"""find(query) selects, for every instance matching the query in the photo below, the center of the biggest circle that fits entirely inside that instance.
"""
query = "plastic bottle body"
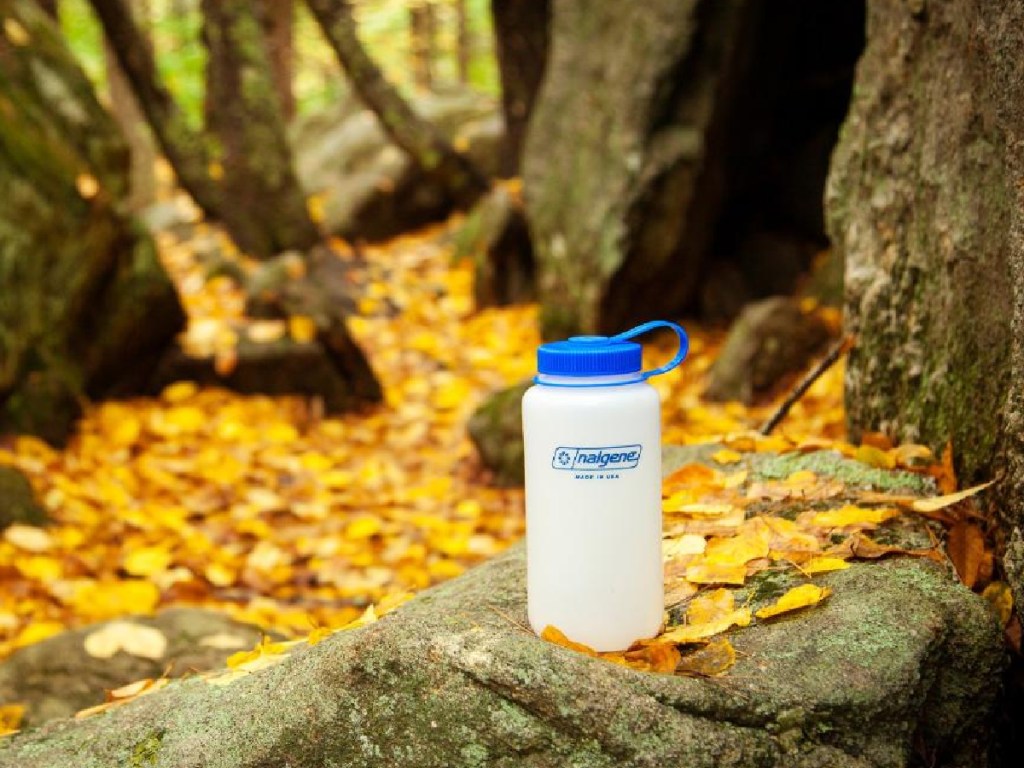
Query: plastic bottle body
(593, 511)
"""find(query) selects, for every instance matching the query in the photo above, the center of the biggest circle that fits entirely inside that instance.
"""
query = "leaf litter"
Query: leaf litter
(264, 509)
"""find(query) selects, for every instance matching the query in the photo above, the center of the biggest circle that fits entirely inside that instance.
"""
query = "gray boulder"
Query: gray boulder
(57, 677)
(900, 666)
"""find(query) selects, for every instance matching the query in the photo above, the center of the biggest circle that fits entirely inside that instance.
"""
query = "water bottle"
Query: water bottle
(592, 434)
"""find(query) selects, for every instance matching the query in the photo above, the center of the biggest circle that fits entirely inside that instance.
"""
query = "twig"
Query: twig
(812, 376)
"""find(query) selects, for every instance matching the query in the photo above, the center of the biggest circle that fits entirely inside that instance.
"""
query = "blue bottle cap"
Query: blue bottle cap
(582, 356)
(589, 356)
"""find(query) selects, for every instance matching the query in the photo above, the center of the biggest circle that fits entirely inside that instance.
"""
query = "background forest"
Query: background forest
(272, 278)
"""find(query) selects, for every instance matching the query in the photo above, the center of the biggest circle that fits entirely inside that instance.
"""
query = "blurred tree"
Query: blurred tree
(422, 42)
(86, 306)
(50, 6)
(277, 17)
(133, 124)
(416, 136)
(263, 206)
(463, 41)
(521, 32)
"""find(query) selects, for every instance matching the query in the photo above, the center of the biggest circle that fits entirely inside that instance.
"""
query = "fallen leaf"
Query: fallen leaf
(695, 633)
(134, 639)
(1000, 597)
(966, 546)
(28, 538)
(936, 503)
(713, 659)
(875, 457)
(726, 456)
(850, 516)
(803, 596)
(824, 565)
(706, 573)
(554, 635)
(11, 716)
(224, 641)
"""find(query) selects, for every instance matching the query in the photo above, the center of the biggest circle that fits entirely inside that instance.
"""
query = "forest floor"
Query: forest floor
(260, 507)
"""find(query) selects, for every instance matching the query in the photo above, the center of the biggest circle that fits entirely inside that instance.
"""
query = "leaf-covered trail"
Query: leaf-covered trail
(261, 507)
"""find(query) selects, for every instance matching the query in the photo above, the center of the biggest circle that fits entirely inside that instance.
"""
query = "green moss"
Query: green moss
(833, 464)
(146, 752)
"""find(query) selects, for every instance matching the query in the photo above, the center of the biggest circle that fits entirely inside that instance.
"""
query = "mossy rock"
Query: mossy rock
(496, 428)
(900, 662)
(18, 501)
(56, 677)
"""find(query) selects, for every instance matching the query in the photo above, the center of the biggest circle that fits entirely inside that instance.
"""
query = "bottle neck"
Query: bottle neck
(617, 380)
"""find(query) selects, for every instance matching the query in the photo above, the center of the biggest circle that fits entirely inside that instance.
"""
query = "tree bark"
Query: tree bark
(463, 42)
(86, 305)
(134, 127)
(522, 30)
(424, 144)
(264, 208)
(50, 7)
(184, 147)
(926, 204)
(422, 43)
(624, 168)
(277, 17)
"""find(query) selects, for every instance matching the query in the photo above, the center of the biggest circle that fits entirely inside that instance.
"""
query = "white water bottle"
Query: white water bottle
(592, 432)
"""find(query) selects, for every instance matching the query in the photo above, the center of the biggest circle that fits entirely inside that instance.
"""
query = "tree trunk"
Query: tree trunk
(50, 7)
(463, 42)
(424, 144)
(422, 39)
(522, 31)
(926, 204)
(133, 125)
(264, 208)
(623, 168)
(184, 147)
(277, 17)
(86, 305)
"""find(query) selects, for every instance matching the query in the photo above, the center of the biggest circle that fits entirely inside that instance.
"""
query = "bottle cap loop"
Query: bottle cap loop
(590, 356)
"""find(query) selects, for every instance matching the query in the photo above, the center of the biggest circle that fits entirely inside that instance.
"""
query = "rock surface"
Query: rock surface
(496, 428)
(57, 677)
(17, 500)
(370, 189)
(771, 338)
(900, 666)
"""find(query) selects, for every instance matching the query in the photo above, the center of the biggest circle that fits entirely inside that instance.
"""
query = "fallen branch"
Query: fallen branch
(805, 383)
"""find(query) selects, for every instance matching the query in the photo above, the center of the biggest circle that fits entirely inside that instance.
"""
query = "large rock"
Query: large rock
(496, 429)
(17, 500)
(770, 339)
(900, 662)
(370, 189)
(57, 677)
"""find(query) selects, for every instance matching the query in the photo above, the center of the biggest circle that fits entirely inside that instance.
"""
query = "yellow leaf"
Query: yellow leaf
(875, 457)
(134, 639)
(850, 515)
(749, 544)
(1000, 597)
(315, 208)
(936, 503)
(302, 328)
(179, 392)
(363, 527)
(555, 635)
(694, 633)
(824, 565)
(726, 456)
(87, 185)
(710, 606)
(37, 631)
(16, 33)
(713, 659)
(220, 575)
(798, 597)
(266, 331)
(224, 641)
(706, 573)
(147, 561)
(28, 538)
(451, 394)
(40, 568)
(687, 544)
(701, 510)
(108, 599)
(800, 478)
(10, 718)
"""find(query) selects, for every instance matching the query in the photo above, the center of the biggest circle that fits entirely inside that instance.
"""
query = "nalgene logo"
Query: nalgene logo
(612, 457)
